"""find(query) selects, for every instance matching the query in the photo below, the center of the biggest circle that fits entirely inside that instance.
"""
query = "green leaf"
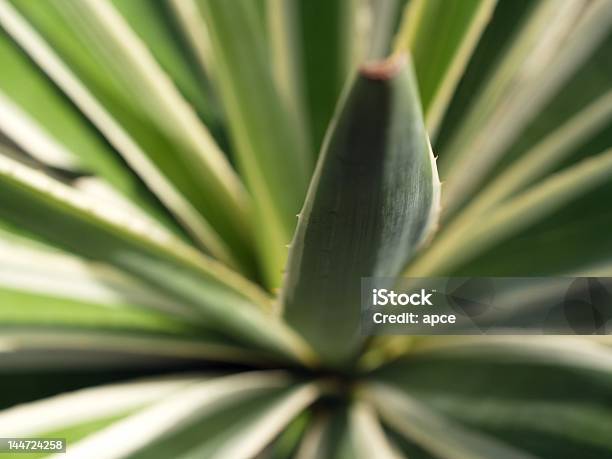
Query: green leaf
(255, 435)
(48, 348)
(407, 447)
(328, 30)
(441, 36)
(384, 16)
(311, 444)
(368, 435)
(549, 395)
(54, 132)
(222, 296)
(542, 158)
(242, 321)
(194, 31)
(575, 353)
(320, 35)
(64, 299)
(254, 404)
(155, 25)
(130, 99)
(89, 405)
(581, 228)
(587, 89)
(286, 57)
(525, 80)
(72, 211)
(19, 308)
(577, 423)
(372, 202)
(432, 431)
(40, 270)
(269, 142)
(567, 144)
(72, 434)
(287, 442)
(503, 29)
(25, 136)
(328, 437)
(528, 208)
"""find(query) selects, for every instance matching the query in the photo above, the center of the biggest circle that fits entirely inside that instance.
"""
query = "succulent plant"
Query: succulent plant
(160, 299)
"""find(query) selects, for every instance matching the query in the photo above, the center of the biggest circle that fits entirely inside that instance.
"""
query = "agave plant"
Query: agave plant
(158, 295)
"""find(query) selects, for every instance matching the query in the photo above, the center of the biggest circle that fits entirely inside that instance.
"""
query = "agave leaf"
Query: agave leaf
(122, 240)
(64, 294)
(73, 211)
(90, 404)
(328, 437)
(75, 433)
(590, 84)
(27, 136)
(501, 32)
(414, 420)
(140, 111)
(286, 57)
(200, 149)
(41, 270)
(23, 386)
(217, 425)
(528, 208)
(47, 348)
(198, 406)
(528, 77)
(18, 307)
(527, 30)
(543, 157)
(268, 139)
(368, 435)
(57, 135)
(257, 433)
(154, 23)
(382, 26)
(441, 36)
(328, 29)
(311, 444)
(115, 131)
(581, 228)
(602, 269)
(577, 230)
(580, 425)
(567, 143)
(524, 403)
(286, 443)
(372, 202)
(408, 448)
(194, 30)
(318, 35)
(576, 353)
(243, 321)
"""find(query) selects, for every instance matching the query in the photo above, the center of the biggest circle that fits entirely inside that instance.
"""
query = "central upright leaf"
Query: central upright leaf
(371, 203)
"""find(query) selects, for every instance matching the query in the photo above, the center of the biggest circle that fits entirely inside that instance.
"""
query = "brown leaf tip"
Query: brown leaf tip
(384, 69)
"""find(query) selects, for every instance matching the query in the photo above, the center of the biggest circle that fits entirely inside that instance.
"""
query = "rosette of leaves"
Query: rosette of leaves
(158, 295)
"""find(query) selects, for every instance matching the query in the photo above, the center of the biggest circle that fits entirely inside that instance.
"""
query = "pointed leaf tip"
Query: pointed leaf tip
(385, 69)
